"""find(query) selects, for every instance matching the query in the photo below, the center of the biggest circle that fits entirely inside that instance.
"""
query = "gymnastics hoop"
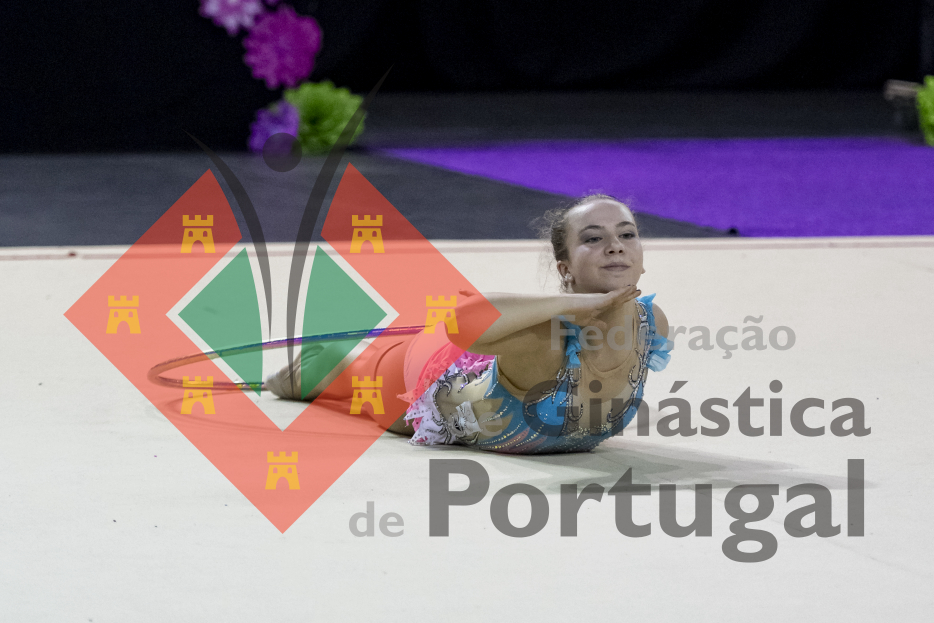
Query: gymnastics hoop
(154, 374)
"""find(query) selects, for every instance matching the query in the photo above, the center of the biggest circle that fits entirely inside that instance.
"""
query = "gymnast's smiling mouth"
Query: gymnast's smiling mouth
(616, 266)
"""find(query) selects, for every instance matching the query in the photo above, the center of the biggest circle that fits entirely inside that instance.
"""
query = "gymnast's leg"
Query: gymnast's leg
(384, 358)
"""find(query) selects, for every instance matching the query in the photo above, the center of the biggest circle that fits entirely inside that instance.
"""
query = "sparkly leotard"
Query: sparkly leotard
(474, 404)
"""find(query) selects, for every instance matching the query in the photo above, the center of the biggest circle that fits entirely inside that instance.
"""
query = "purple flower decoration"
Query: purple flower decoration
(280, 117)
(232, 14)
(281, 48)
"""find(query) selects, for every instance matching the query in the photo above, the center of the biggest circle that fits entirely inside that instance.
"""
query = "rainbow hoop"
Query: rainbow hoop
(154, 374)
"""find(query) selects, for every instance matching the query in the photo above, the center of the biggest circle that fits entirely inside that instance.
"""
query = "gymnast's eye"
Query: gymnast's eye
(592, 239)
(629, 235)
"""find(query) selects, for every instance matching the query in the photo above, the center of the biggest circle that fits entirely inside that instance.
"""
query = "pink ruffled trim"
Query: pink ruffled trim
(470, 363)
(434, 369)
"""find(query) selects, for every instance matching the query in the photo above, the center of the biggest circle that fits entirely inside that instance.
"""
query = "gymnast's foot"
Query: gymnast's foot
(287, 382)
(318, 361)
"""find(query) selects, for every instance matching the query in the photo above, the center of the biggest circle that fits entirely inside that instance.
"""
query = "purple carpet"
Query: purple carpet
(762, 187)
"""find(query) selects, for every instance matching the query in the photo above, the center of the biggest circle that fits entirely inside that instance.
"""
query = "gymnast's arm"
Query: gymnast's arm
(525, 320)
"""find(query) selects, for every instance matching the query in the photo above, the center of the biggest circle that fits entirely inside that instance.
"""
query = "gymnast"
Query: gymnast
(554, 373)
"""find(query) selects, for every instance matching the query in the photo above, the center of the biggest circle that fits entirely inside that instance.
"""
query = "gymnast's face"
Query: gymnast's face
(604, 248)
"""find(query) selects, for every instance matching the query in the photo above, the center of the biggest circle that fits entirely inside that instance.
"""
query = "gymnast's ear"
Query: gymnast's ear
(563, 269)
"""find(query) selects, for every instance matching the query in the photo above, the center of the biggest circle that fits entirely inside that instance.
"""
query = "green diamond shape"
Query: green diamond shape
(226, 313)
(334, 304)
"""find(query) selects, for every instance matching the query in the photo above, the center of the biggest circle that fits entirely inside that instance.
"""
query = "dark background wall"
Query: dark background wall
(98, 75)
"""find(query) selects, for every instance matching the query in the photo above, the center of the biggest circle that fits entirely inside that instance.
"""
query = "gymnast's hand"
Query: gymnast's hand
(589, 310)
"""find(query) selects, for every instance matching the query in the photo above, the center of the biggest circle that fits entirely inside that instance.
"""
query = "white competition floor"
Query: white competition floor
(108, 513)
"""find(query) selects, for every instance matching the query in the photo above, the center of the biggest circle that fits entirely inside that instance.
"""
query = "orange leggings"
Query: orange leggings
(388, 362)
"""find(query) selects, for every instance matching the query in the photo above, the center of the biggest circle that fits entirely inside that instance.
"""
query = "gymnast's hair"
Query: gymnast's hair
(553, 225)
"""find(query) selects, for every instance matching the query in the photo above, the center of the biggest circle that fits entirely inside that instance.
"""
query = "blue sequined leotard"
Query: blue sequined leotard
(458, 409)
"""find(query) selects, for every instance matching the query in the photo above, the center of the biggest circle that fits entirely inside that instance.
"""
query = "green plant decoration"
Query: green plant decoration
(323, 111)
(926, 109)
